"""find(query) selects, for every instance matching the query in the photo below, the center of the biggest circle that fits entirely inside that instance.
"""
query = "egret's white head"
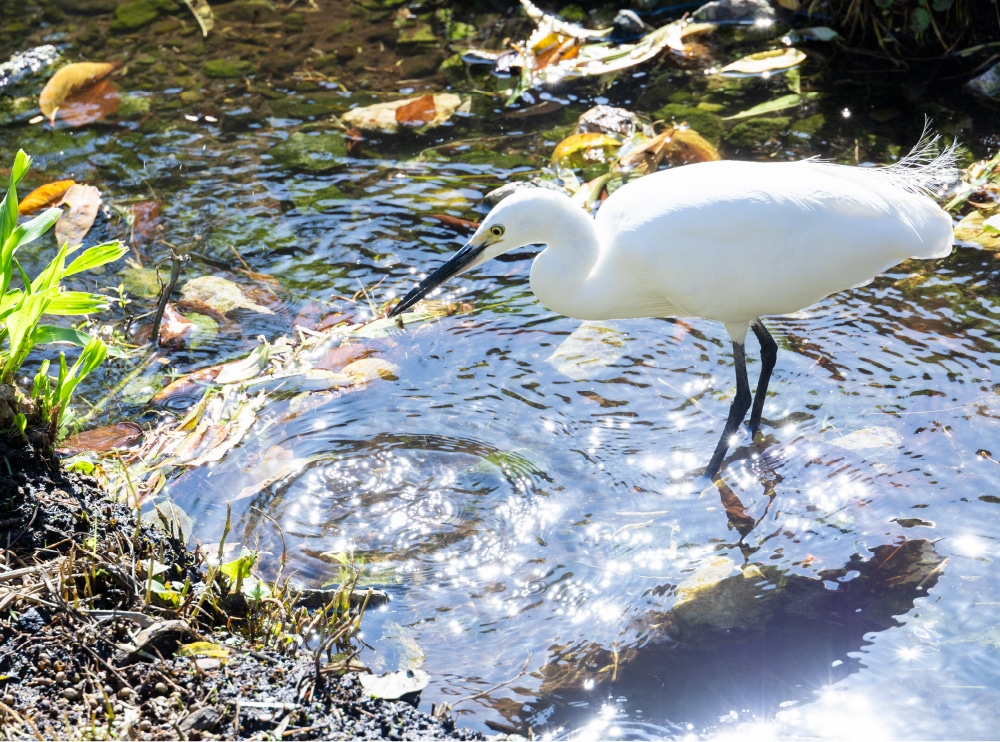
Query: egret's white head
(526, 217)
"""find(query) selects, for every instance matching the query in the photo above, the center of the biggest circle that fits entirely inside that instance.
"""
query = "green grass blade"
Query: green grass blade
(8, 208)
(74, 303)
(96, 256)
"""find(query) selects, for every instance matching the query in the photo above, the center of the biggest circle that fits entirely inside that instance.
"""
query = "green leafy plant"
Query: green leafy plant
(22, 309)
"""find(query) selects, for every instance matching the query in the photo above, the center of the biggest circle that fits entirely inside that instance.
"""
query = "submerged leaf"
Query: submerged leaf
(417, 112)
(587, 351)
(792, 100)
(174, 328)
(84, 202)
(584, 150)
(369, 369)
(93, 103)
(765, 62)
(974, 228)
(382, 117)
(872, 437)
(219, 294)
(69, 80)
(106, 438)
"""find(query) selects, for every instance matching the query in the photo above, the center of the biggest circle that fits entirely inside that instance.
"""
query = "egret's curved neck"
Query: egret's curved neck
(559, 274)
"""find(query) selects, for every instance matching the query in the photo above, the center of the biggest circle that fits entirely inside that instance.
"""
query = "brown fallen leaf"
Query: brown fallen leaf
(688, 146)
(44, 196)
(194, 384)
(678, 145)
(174, 328)
(459, 225)
(83, 202)
(93, 103)
(417, 112)
(100, 440)
(145, 221)
(563, 49)
(69, 80)
(354, 139)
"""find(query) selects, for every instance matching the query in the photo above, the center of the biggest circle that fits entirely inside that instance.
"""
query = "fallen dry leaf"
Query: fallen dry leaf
(94, 103)
(118, 435)
(554, 48)
(687, 146)
(174, 328)
(381, 117)
(417, 112)
(459, 225)
(145, 220)
(44, 196)
(588, 148)
(83, 202)
(202, 12)
(369, 369)
(219, 295)
(192, 385)
(69, 80)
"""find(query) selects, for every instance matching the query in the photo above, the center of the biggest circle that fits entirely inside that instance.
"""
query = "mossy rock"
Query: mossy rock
(247, 11)
(419, 34)
(759, 133)
(808, 127)
(223, 69)
(341, 28)
(133, 106)
(307, 199)
(453, 69)
(707, 124)
(313, 153)
(135, 14)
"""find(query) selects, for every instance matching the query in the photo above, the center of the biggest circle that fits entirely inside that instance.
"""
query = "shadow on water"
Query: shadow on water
(739, 649)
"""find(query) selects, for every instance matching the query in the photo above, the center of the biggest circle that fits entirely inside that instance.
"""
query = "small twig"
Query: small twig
(175, 272)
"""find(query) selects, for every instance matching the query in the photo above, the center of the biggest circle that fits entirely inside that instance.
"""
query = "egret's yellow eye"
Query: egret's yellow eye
(496, 230)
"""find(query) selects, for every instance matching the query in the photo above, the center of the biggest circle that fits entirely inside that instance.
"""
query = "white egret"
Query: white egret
(728, 241)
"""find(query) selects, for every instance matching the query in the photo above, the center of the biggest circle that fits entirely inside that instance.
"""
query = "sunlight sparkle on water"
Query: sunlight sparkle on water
(840, 714)
(970, 545)
(651, 463)
(909, 654)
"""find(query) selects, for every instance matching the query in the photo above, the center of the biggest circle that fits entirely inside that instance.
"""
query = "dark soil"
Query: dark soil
(83, 652)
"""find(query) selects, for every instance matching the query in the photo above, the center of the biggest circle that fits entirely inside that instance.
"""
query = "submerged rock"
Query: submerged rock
(314, 153)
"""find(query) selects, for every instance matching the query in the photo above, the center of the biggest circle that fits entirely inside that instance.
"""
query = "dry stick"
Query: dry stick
(175, 273)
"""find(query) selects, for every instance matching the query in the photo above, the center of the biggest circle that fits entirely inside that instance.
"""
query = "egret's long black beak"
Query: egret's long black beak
(465, 258)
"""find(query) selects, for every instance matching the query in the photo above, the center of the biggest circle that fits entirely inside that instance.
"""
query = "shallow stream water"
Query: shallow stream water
(527, 490)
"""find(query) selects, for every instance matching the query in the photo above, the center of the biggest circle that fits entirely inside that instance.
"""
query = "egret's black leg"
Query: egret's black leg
(768, 356)
(737, 410)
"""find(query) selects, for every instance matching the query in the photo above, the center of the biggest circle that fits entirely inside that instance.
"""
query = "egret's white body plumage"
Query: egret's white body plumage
(728, 241)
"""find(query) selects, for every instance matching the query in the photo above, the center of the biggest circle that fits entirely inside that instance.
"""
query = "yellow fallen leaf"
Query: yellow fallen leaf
(762, 62)
(588, 148)
(44, 196)
(205, 649)
(368, 369)
(69, 80)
